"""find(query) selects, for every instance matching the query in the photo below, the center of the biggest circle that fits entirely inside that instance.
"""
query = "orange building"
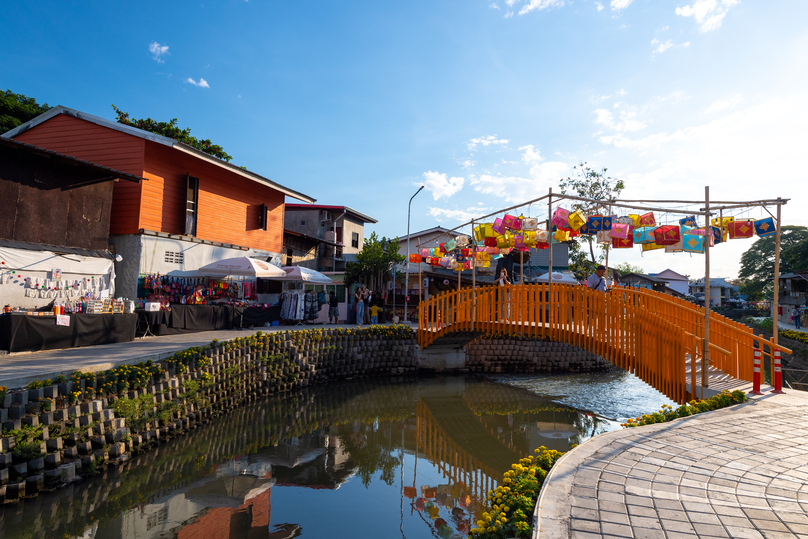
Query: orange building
(192, 210)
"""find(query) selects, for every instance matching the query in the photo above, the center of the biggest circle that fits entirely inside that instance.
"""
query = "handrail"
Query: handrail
(643, 331)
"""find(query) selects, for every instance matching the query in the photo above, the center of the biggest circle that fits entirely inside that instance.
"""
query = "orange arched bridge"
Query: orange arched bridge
(653, 335)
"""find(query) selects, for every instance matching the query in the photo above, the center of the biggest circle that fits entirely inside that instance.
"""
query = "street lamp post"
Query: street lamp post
(407, 278)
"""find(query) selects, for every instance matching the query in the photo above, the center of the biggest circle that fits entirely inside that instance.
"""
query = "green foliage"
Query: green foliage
(595, 185)
(625, 268)
(796, 335)
(374, 262)
(757, 263)
(27, 451)
(171, 130)
(512, 503)
(16, 109)
(669, 413)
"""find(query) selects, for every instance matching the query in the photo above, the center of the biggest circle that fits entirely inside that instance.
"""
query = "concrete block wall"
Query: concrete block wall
(530, 356)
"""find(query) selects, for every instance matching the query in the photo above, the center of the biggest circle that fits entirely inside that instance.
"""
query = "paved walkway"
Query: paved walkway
(20, 369)
(736, 472)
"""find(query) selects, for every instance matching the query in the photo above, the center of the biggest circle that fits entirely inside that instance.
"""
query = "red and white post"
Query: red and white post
(777, 373)
(757, 375)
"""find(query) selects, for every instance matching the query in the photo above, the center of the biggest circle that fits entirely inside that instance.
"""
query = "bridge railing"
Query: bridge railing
(648, 333)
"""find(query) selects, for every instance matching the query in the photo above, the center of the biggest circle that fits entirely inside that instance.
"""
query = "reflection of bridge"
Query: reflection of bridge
(655, 336)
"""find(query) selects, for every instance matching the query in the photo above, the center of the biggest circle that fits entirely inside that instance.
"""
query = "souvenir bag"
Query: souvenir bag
(667, 235)
(594, 224)
(741, 229)
(626, 243)
(490, 242)
(530, 223)
(498, 227)
(651, 247)
(635, 219)
(677, 247)
(542, 236)
(415, 258)
(719, 236)
(512, 222)
(648, 219)
(560, 217)
(462, 241)
(689, 221)
(603, 237)
(644, 234)
(765, 227)
(576, 220)
(561, 235)
(693, 243)
(621, 231)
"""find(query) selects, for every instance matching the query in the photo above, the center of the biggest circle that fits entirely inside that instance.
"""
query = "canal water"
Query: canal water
(406, 457)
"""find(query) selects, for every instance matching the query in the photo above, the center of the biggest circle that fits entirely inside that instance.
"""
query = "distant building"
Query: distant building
(676, 281)
(341, 228)
(793, 293)
(640, 280)
(720, 290)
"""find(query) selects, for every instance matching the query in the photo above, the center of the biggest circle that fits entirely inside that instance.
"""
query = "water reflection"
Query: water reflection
(406, 457)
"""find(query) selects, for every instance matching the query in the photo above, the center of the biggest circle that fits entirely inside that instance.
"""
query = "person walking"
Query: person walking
(597, 281)
(797, 315)
(359, 298)
(333, 308)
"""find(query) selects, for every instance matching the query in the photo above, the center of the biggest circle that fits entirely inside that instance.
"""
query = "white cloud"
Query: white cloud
(662, 46)
(441, 186)
(621, 92)
(458, 215)
(485, 141)
(599, 6)
(539, 4)
(468, 163)
(708, 13)
(202, 83)
(494, 6)
(723, 104)
(530, 155)
(617, 5)
(599, 98)
(628, 120)
(158, 51)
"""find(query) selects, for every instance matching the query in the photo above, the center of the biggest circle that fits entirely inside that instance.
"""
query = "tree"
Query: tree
(171, 130)
(625, 268)
(16, 109)
(595, 185)
(374, 262)
(757, 263)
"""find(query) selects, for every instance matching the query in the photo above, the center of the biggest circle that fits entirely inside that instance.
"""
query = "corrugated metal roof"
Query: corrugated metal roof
(346, 209)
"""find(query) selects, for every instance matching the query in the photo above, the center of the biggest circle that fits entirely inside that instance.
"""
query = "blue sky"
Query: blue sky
(487, 103)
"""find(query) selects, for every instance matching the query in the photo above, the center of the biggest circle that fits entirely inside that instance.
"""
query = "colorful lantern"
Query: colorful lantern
(719, 236)
(689, 221)
(512, 222)
(621, 231)
(603, 237)
(498, 227)
(765, 227)
(542, 236)
(666, 235)
(722, 222)
(635, 219)
(462, 241)
(561, 235)
(648, 219)
(503, 241)
(620, 243)
(560, 217)
(483, 231)
(415, 258)
(651, 247)
(677, 247)
(644, 234)
(490, 242)
(741, 229)
(594, 224)
(530, 223)
(693, 243)
(576, 220)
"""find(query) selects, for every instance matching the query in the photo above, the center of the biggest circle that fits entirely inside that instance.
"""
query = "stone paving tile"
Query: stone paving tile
(739, 472)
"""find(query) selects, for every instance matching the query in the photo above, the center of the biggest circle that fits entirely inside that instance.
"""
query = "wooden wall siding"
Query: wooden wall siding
(46, 202)
(228, 204)
(97, 144)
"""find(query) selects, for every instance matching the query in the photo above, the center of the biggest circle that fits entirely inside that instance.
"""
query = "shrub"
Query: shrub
(27, 451)
(669, 413)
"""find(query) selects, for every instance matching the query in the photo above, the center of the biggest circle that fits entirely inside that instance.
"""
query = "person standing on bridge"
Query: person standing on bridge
(597, 280)
(504, 299)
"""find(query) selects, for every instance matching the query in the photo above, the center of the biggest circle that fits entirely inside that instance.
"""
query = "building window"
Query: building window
(288, 257)
(262, 217)
(302, 223)
(191, 205)
(355, 240)
(174, 257)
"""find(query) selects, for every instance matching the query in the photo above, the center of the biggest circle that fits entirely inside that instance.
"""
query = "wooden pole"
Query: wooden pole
(705, 356)
(522, 264)
(776, 296)
(607, 248)
(420, 280)
(473, 277)
(550, 262)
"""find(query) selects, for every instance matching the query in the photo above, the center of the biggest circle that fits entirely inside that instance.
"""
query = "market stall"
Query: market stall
(21, 332)
(299, 305)
(222, 297)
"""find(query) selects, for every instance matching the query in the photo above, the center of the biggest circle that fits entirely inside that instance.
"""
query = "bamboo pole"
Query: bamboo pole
(705, 357)
(550, 262)
(776, 296)
(473, 277)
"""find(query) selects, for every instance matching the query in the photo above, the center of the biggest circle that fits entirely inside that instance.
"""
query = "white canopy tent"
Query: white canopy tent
(242, 266)
(558, 278)
(296, 273)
